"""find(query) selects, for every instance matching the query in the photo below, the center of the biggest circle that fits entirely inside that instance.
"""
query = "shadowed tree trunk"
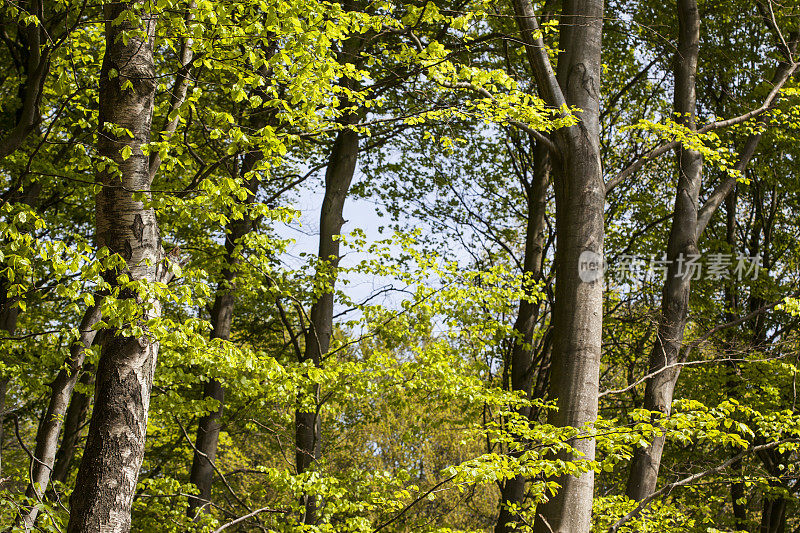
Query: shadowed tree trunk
(202, 472)
(513, 492)
(580, 198)
(36, 70)
(3, 390)
(308, 430)
(681, 246)
(773, 506)
(8, 324)
(208, 429)
(738, 492)
(50, 424)
(73, 423)
(107, 476)
(773, 516)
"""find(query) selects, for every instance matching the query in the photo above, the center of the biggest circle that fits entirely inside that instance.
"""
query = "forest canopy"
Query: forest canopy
(368, 266)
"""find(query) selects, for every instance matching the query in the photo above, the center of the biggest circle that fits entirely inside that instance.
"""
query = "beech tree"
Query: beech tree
(319, 266)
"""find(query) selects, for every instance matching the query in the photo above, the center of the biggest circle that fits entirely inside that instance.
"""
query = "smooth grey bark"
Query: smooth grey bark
(73, 423)
(522, 363)
(107, 476)
(681, 245)
(689, 223)
(580, 198)
(338, 176)
(50, 425)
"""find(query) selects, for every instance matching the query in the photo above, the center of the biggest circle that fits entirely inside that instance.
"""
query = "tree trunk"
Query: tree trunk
(513, 492)
(208, 429)
(682, 244)
(8, 324)
(73, 423)
(3, 390)
(773, 516)
(339, 175)
(28, 117)
(9, 314)
(738, 491)
(202, 473)
(50, 425)
(37, 68)
(580, 201)
(107, 476)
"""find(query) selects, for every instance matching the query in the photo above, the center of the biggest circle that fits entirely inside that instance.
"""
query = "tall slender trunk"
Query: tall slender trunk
(208, 428)
(3, 391)
(27, 118)
(308, 429)
(659, 390)
(521, 372)
(732, 382)
(107, 476)
(50, 424)
(580, 201)
(178, 92)
(8, 324)
(73, 423)
(682, 244)
(774, 517)
(9, 312)
(30, 91)
(207, 440)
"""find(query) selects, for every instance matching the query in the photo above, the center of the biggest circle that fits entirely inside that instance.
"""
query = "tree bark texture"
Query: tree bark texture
(522, 363)
(208, 429)
(73, 423)
(107, 476)
(339, 175)
(36, 70)
(681, 245)
(53, 418)
(580, 198)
